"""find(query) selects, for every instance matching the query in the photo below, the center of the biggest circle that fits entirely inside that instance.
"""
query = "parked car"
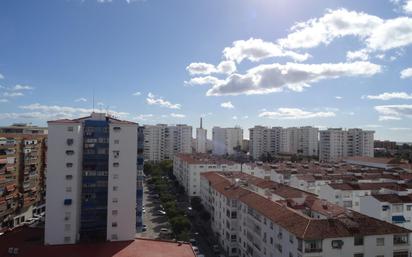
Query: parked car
(193, 241)
(160, 212)
(144, 227)
(216, 249)
(196, 250)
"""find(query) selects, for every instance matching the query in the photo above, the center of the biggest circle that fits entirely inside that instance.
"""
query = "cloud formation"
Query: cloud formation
(137, 93)
(201, 68)
(81, 99)
(153, 100)
(294, 114)
(177, 115)
(389, 96)
(394, 112)
(268, 78)
(227, 105)
(50, 112)
(406, 73)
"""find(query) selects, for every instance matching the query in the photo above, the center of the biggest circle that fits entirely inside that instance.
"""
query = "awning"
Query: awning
(398, 219)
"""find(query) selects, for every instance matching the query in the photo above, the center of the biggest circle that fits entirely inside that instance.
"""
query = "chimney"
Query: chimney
(201, 121)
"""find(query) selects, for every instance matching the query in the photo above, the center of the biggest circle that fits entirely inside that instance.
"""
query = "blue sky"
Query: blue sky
(234, 62)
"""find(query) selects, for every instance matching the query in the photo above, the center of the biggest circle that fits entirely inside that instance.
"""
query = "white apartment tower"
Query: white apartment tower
(265, 140)
(226, 140)
(201, 138)
(336, 144)
(162, 142)
(91, 180)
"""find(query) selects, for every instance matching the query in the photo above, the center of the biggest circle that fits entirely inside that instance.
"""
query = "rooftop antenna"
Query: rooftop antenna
(93, 99)
(201, 121)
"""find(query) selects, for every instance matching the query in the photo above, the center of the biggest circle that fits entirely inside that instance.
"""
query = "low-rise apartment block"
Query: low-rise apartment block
(259, 218)
(188, 167)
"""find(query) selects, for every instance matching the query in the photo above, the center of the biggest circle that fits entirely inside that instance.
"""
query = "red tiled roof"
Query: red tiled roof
(30, 244)
(368, 186)
(341, 222)
(393, 198)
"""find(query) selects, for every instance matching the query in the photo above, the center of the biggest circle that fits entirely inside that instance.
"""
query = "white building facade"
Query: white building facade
(226, 140)
(91, 180)
(162, 142)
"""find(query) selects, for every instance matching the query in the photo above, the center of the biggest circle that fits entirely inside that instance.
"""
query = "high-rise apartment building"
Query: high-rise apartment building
(162, 142)
(265, 140)
(336, 144)
(22, 173)
(92, 181)
(201, 139)
(227, 140)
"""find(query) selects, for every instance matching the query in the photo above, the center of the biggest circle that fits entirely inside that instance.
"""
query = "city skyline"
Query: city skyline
(235, 63)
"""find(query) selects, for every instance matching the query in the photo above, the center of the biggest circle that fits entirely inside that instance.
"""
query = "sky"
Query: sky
(233, 62)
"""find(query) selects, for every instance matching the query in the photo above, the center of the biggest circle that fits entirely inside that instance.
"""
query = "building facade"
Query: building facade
(335, 144)
(92, 180)
(258, 218)
(227, 140)
(22, 173)
(188, 167)
(162, 142)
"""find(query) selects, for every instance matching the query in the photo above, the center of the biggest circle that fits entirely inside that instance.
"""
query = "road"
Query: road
(153, 221)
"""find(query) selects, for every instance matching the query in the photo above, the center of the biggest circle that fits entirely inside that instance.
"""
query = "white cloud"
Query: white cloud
(178, 115)
(256, 50)
(50, 112)
(137, 93)
(406, 73)
(357, 55)
(400, 129)
(234, 117)
(3, 100)
(268, 78)
(377, 34)
(372, 126)
(201, 68)
(227, 105)
(206, 80)
(338, 97)
(81, 99)
(21, 87)
(394, 112)
(143, 117)
(12, 94)
(294, 114)
(388, 96)
(1, 76)
(153, 100)
(407, 7)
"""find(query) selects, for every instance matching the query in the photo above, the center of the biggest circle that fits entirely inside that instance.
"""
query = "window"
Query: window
(67, 239)
(115, 176)
(115, 164)
(380, 241)
(291, 238)
(358, 255)
(70, 129)
(114, 212)
(69, 141)
(116, 141)
(401, 254)
(358, 240)
(69, 164)
(385, 207)
(67, 227)
(114, 224)
(67, 216)
(115, 188)
(312, 246)
(117, 129)
(397, 208)
(67, 201)
(114, 236)
(69, 177)
(234, 250)
(116, 154)
(69, 152)
(400, 239)
(337, 244)
(68, 189)
(115, 200)
(408, 207)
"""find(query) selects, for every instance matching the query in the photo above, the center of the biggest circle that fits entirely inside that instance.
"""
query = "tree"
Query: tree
(179, 224)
